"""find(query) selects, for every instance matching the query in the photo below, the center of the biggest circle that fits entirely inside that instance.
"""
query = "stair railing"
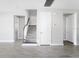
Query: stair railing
(25, 29)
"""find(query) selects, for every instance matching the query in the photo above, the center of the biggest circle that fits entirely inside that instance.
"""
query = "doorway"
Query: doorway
(19, 22)
(69, 27)
(31, 27)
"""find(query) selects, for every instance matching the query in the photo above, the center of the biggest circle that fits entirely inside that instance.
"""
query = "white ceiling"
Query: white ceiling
(66, 4)
(11, 5)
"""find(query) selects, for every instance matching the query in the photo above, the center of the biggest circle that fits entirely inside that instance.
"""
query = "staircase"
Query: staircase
(31, 34)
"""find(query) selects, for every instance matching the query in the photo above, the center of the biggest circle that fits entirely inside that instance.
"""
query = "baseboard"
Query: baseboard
(56, 44)
(6, 41)
(29, 45)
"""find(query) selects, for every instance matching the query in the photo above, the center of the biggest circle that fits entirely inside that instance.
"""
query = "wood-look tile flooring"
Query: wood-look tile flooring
(16, 50)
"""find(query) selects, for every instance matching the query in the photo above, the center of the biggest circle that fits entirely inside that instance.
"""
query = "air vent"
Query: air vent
(48, 3)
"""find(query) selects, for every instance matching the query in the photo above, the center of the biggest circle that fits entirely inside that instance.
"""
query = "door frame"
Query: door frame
(75, 27)
(14, 25)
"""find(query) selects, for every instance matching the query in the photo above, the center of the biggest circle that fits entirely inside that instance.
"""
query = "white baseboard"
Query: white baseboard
(6, 41)
(40, 45)
(56, 44)
(29, 45)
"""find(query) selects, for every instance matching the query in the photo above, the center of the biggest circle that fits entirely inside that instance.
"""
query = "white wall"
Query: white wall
(57, 28)
(32, 13)
(7, 25)
(17, 7)
(7, 12)
(33, 20)
(66, 4)
(13, 5)
(78, 28)
(57, 25)
(6, 28)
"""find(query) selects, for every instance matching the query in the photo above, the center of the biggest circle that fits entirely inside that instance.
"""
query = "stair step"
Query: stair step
(31, 34)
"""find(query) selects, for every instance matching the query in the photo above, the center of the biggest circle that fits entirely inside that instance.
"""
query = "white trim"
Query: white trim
(56, 44)
(29, 44)
(6, 40)
(75, 29)
(41, 45)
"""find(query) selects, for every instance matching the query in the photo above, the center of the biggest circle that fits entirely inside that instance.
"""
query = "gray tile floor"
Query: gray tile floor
(15, 50)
